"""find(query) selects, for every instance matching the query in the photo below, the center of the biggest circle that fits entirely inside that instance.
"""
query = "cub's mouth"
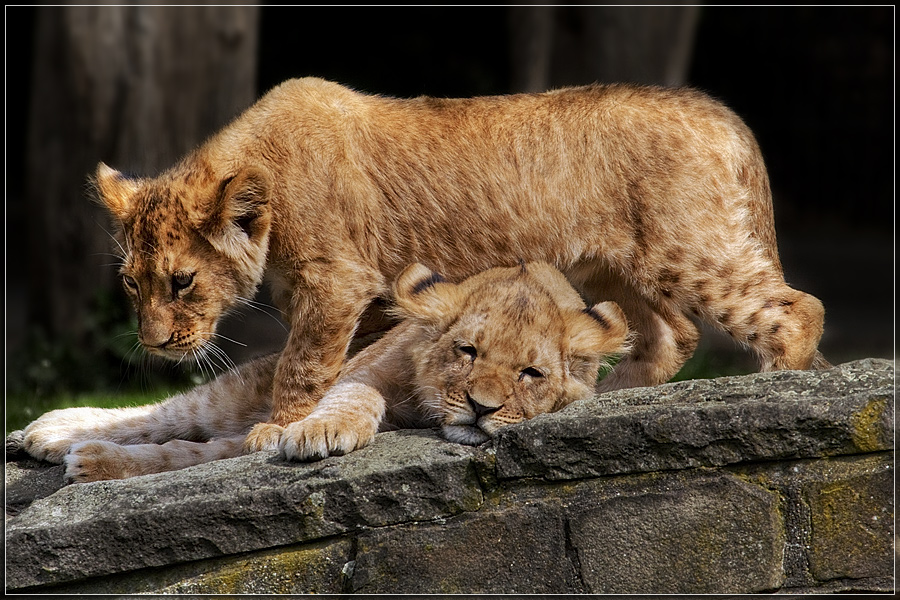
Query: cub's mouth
(470, 435)
(470, 423)
(178, 348)
(200, 351)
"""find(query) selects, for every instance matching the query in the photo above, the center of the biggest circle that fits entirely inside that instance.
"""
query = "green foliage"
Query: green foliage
(709, 364)
(49, 373)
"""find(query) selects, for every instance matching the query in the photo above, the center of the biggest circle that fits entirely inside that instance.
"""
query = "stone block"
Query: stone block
(692, 531)
(236, 505)
(312, 569)
(681, 534)
(317, 568)
(852, 521)
(766, 416)
(839, 519)
(515, 549)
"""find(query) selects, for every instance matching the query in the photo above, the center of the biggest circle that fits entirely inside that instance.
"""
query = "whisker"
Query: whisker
(124, 253)
(132, 355)
(257, 304)
(225, 360)
(228, 339)
(185, 355)
(199, 361)
(263, 308)
(212, 348)
(127, 334)
(214, 352)
(210, 365)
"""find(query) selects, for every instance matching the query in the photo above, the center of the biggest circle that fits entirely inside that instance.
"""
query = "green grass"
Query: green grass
(21, 410)
(706, 365)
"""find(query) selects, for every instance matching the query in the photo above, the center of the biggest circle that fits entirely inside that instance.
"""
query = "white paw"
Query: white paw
(319, 436)
(45, 446)
(48, 441)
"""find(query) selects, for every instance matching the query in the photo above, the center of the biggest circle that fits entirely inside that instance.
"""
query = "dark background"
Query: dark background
(816, 84)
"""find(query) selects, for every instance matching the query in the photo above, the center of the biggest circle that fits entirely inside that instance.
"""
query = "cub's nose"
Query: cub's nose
(480, 409)
(155, 340)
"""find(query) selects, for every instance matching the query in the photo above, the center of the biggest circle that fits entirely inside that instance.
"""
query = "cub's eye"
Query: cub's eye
(530, 372)
(129, 282)
(181, 281)
(468, 350)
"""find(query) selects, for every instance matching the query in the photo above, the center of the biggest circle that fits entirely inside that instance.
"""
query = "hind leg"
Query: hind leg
(781, 325)
(663, 340)
(745, 295)
(226, 406)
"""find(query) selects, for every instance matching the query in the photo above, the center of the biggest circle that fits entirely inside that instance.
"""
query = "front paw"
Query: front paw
(263, 436)
(317, 437)
(96, 461)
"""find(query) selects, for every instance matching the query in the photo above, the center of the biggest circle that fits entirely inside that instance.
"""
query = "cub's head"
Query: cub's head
(504, 345)
(192, 245)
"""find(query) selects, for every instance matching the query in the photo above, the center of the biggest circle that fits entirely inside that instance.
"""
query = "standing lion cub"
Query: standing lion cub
(500, 347)
(654, 198)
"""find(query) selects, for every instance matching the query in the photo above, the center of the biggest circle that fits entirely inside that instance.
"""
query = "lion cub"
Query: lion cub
(657, 199)
(498, 348)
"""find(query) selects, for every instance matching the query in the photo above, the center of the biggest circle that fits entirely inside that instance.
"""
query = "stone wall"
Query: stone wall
(770, 482)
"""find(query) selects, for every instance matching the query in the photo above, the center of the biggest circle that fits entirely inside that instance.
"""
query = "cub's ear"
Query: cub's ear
(594, 334)
(598, 331)
(115, 190)
(240, 210)
(421, 293)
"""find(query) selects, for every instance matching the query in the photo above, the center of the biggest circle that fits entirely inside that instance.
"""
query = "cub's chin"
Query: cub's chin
(469, 435)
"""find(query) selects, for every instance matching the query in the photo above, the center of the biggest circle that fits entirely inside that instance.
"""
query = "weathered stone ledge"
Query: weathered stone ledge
(770, 482)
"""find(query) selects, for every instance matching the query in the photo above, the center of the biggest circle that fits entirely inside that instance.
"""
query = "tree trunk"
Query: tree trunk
(133, 86)
(554, 46)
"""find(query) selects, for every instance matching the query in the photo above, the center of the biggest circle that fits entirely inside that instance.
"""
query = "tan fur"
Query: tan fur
(498, 348)
(655, 198)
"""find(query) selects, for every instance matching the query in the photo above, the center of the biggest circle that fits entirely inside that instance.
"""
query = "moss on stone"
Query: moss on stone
(868, 433)
(852, 520)
(315, 568)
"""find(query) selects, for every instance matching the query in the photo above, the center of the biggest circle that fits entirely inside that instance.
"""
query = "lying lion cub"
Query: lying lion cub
(500, 347)
(656, 199)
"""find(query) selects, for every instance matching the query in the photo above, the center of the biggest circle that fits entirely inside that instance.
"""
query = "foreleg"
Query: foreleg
(98, 460)
(351, 412)
(327, 302)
